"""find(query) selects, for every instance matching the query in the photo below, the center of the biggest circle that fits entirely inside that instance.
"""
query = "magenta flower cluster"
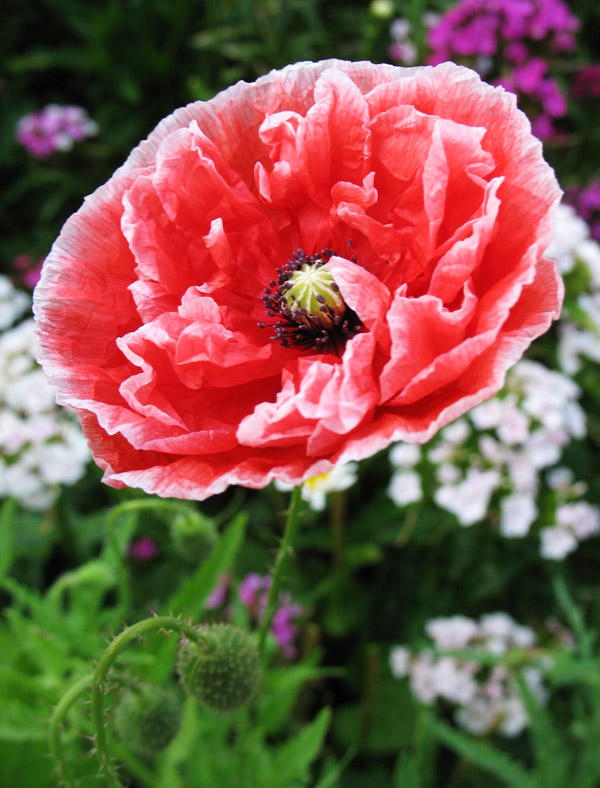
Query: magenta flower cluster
(27, 270)
(142, 550)
(586, 83)
(517, 32)
(253, 591)
(586, 201)
(54, 128)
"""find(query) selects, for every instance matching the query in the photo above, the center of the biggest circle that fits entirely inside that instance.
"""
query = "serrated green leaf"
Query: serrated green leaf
(292, 759)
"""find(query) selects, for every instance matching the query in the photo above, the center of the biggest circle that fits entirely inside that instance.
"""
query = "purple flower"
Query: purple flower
(54, 128)
(253, 592)
(481, 27)
(551, 98)
(219, 595)
(586, 202)
(543, 127)
(27, 269)
(285, 630)
(528, 77)
(143, 549)
(587, 82)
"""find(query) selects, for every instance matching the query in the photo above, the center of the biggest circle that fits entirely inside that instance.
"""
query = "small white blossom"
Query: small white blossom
(560, 478)
(575, 344)
(453, 632)
(405, 455)
(488, 415)
(517, 514)
(570, 231)
(581, 517)
(457, 432)
(514, 427)
(400, 661)
(447, 473)
(469, 499)
(405, 488)
(557, 542)
(315, 489)
(13, 303)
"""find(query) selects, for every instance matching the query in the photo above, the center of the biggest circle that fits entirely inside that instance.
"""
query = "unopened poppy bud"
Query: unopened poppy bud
(194, 536)
(148, 717)
(222, 670)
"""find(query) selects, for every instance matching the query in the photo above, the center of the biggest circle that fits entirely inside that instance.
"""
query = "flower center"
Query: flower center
(307, 304)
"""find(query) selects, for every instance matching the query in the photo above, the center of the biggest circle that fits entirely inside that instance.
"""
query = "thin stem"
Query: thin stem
(460, 769)
(337, 520)
(291, 525)
(106, 661)
(58, 715)
(369, 693)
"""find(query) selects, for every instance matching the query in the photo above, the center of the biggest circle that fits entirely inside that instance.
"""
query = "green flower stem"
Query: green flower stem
(291, 526)
(58, 715)
(111, 654)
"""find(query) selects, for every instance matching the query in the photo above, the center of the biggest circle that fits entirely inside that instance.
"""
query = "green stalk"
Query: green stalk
(111, 654)
(291, 526)
(58, 715)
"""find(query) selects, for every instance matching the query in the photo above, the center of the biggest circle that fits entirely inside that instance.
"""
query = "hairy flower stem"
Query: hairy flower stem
(291, 525)
(111, 654)
(58, 715)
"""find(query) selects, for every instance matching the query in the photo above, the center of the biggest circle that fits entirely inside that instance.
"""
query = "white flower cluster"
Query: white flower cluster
(502, 446)
(487, 699)
(315, 489)
(41, 445)
(13, 303)
(571, 244)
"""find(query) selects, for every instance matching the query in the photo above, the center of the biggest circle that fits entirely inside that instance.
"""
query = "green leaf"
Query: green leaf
(292, 759)
(551, 758)
(334, 770)
(192, 593)
(573, 613)
(483, 754)
(406, 772)
(391, 724)
(7, 530)
(279, 692)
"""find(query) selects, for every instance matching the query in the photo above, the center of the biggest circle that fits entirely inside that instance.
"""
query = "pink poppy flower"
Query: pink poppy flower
(397, 219)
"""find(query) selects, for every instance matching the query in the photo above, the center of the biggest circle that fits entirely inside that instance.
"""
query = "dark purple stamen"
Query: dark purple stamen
(299, 328)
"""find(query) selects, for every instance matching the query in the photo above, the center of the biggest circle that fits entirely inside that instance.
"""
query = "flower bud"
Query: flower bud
(194, 536)
(222, 670)
(148, 717)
